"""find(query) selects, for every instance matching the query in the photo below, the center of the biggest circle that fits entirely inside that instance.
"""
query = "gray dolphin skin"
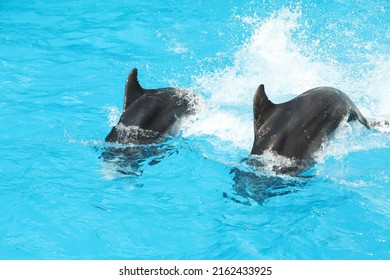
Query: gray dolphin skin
(149, 115)
(296, 129)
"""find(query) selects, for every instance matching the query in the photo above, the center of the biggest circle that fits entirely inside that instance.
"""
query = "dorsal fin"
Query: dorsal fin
(133, 90)
(262, 107)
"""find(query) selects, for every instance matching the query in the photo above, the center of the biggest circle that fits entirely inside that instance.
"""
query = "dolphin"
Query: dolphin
(149, 115)
(296, 129)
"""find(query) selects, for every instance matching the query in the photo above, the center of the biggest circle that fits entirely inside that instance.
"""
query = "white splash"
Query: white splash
(177, 47)
(275, 57)
(269, 56)
(113, 114)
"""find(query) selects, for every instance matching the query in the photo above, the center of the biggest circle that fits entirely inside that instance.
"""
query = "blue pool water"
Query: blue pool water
(63, 67)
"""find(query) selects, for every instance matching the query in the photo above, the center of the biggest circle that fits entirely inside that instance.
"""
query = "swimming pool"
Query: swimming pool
(63, 69)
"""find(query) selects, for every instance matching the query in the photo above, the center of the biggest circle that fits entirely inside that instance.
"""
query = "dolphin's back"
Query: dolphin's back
(149, 114)
(297, 128)
(155, 111)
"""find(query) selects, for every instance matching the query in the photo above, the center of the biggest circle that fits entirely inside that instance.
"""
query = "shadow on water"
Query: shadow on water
(254, 184)
(130, 159)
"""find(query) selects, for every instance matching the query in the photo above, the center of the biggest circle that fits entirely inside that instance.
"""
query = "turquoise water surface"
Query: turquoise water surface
(63, 68)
